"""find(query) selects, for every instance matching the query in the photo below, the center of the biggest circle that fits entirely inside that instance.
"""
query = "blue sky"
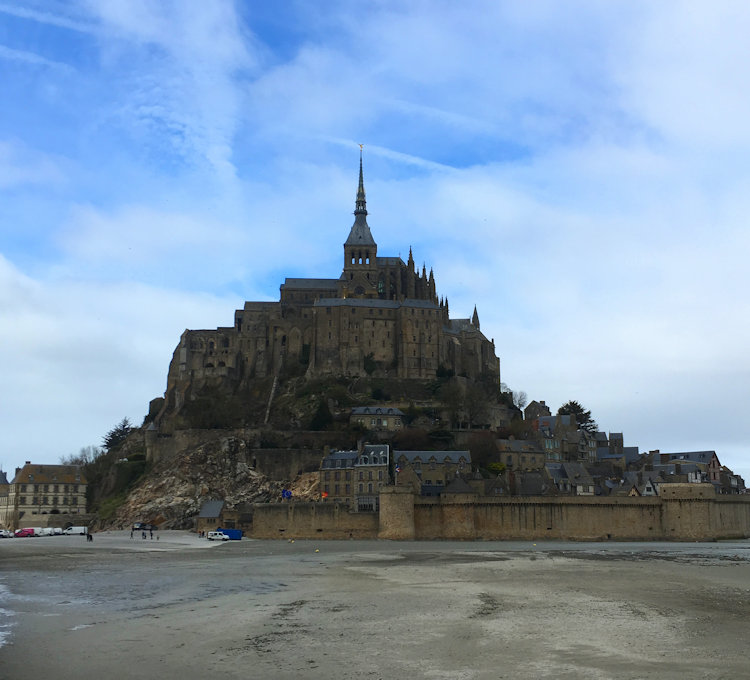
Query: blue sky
(576, 170)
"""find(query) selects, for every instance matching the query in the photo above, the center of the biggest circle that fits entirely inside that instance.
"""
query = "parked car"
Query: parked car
(4, 533)
(24, 533)
(216, 536)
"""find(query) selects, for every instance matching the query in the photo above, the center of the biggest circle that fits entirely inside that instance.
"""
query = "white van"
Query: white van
(47, 531)
(71, 531)
(216, 536)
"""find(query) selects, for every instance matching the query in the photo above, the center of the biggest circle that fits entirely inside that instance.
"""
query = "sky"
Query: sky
(577, 170)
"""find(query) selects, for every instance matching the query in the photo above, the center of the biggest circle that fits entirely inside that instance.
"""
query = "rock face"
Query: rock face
(174, 490)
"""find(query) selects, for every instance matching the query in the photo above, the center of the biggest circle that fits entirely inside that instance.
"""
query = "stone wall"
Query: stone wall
(682, 515)
(312, 520)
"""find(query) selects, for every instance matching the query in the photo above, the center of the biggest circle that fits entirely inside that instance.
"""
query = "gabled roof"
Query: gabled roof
(376, 411)
(211, 509)
(577, 473)
(3, 478)
(439, 456)
(531, 484)
(458, 485)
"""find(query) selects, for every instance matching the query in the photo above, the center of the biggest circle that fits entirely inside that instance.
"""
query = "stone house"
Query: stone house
(570, 478)
(431, 468)
(355, 478)
(377, 418)
(535, 410)
(43, 490)
(521, 454)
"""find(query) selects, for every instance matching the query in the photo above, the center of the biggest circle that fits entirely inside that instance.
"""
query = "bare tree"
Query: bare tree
(87, 455)
(520, 399)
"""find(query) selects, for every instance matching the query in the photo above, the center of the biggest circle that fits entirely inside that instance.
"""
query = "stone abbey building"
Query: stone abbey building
(380, 317)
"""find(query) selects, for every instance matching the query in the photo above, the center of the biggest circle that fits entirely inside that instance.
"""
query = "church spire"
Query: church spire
(361, 203)
(360, 232)
(475, 318)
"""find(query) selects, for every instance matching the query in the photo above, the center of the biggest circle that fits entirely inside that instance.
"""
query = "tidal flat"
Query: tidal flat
(180, 607)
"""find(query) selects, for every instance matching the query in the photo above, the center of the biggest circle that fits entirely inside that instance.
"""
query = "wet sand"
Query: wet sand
(182, 607)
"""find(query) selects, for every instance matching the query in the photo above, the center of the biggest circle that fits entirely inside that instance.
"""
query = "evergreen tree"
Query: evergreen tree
(322, 418)
(583, 416)
(117, 434)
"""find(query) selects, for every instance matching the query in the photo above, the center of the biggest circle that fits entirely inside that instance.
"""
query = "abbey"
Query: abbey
(380, 317)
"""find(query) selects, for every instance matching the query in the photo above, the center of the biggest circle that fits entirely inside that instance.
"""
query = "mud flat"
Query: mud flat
(180, 607)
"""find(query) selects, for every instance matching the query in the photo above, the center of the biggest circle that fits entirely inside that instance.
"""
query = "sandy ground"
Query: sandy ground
(182, 607)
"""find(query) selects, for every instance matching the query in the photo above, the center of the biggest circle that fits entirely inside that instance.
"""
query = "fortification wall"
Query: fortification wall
(679, 516)
(312, 520)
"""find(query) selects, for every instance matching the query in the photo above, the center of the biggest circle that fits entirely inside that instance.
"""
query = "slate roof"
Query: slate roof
(439, 456)
(692, 456)
(375, 304)
(380, 449)
(458, 325)
(3, 478)
(211, 509)
(577, 473)
(531, 484)
(360, 234)
(311, 284)
(44, 474)
(631, 453)
(340, 459)
(376, 411)
(458, 485)
(390, 261)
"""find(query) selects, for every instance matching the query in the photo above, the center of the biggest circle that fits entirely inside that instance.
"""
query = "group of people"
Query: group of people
(143, 534)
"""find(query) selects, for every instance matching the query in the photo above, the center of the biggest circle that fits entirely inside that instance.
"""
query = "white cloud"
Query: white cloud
(85, 355)
(21, 166)
(576, 171)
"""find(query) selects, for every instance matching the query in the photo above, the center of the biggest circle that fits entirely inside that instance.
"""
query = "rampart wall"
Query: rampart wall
(469, 517)
(312, 520)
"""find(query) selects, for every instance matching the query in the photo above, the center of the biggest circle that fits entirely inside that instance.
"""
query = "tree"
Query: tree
(520, 399)
(451, 396)
(322, 418)
(475, 404)
(483, 448)
(117, 434)
(583, 416)
(86, 456)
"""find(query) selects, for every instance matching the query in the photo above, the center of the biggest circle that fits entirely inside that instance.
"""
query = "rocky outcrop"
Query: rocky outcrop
(174, 489)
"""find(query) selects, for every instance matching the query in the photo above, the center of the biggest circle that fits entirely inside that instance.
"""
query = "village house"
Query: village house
(425, 469)
(355, 478)
(377, 418)
(43, 490)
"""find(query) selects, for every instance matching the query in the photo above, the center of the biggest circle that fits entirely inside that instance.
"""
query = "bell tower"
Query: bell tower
(360, 250)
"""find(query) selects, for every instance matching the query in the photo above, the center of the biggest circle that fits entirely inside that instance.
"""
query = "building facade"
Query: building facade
(43, 490)
(355, 478)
